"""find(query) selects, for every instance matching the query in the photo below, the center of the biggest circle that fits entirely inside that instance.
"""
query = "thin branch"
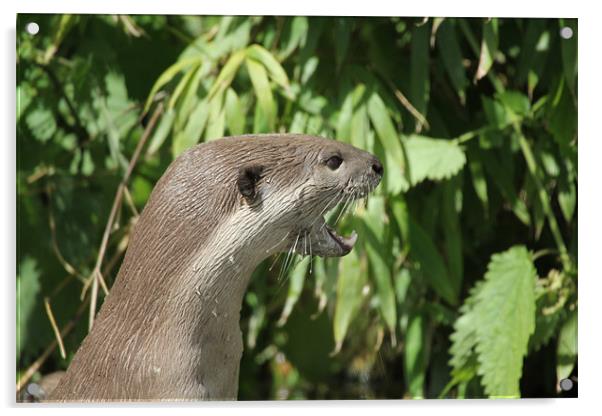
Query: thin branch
(96, 275)
(35, 366)
(408, 106)
(55, 329)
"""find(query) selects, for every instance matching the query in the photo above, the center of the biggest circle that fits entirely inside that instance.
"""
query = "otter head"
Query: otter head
(299, 179)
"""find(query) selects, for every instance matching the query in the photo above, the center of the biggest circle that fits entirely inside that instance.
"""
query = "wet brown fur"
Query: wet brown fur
(169, 329)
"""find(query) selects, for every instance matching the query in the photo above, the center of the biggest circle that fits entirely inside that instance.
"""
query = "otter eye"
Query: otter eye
(334, 162)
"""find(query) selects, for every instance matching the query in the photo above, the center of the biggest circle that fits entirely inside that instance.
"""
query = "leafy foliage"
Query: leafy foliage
(463, 280)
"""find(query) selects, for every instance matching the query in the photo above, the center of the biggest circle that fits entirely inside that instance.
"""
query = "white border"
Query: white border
(590, 152)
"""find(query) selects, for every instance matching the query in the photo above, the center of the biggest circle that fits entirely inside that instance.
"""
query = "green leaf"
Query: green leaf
(562, 116)
(516, 103)
(434, 159)
(266, 118)
(464, 337)
(415, 356)
(228, 72)
(569, 52)
(235, 113)
(478, 181)
(342, 33)
(161, 132)
(420, 86)
(28, 289)
(505, 306)
(424, 251)
(295, 33)
(350, 283)
(451, 208)
(501, 179)
(168, 75)
(263, 56)
(390, 140)
(41, 122)
(567, 198)
(295, 287)
(193, 131)
(489, 47)
(449, 49)
(566, 352)
(360, 123)
(376, 249)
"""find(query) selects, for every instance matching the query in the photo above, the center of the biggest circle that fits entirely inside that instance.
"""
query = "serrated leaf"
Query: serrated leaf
(351, 280)
(434, 159)
(464, 337)
(505, 306)
(295, 287)
(566, 352)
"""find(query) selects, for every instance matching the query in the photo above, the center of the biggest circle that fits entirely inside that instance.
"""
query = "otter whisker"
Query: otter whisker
(290, 256)
(278, 243)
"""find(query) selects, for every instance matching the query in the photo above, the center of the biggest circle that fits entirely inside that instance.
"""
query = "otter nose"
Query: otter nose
(377, 167)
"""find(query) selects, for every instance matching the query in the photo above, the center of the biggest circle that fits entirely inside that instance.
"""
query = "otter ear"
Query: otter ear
(248, 176)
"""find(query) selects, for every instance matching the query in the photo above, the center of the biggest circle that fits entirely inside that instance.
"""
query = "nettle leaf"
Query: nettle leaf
(28, 288)
(505, 306)
(434, 159)
(464, 337)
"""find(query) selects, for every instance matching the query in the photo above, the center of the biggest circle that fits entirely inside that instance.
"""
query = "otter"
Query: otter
(169, 328)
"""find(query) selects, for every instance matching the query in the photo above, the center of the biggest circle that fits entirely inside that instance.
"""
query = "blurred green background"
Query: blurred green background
(464, 279)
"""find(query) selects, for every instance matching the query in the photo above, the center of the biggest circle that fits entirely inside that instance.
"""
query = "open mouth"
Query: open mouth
(346, 243)
(323, 240)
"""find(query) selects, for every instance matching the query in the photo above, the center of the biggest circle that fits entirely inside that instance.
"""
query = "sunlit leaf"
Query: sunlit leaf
(275, 70)
(433, 159)
(489, 47)
(161, 133)
(266, 115)
(505, 305)
(168, 75)
(391, 142)
(235, 113)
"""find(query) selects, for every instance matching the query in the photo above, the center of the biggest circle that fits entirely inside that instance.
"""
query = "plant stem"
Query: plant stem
(543, 196)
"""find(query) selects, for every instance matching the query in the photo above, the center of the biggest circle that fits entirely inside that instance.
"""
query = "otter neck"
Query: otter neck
(208, 298)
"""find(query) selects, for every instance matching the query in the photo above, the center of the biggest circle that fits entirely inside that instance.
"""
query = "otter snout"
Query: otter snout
(377, 167)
